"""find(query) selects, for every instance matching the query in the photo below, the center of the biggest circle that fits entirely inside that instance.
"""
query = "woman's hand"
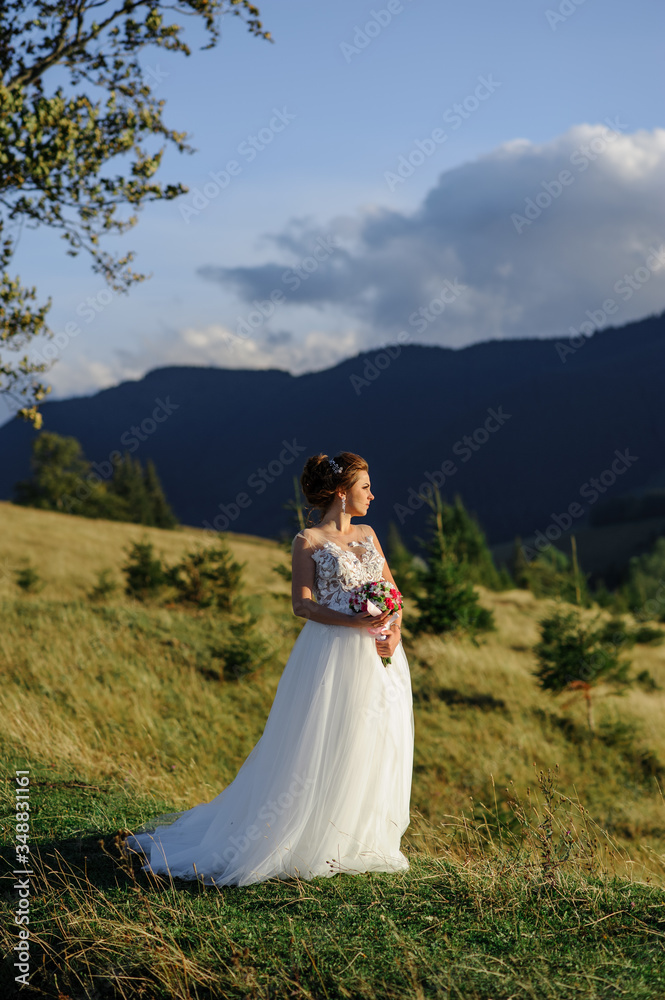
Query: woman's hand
(387, 646)
(363, 619)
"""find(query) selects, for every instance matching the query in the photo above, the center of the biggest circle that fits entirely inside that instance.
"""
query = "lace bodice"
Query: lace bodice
(339, 570)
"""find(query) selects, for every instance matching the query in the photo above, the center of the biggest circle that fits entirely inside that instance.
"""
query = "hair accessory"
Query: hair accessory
(336, 468)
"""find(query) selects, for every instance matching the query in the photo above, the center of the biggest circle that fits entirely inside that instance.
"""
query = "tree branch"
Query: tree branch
(77, 44)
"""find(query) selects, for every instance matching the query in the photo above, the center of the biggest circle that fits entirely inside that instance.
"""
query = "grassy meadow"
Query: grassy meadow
(537, 850)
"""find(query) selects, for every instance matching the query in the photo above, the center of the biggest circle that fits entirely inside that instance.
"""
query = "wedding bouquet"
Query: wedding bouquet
(377, 596)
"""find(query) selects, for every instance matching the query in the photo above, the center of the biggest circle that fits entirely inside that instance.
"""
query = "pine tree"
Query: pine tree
(143, 507)
(208, 576)
(28, 578)
(401, 562)
(520, 565)
(643, 592)
(62, 479)
(297, 507)
(448, 600)
(110, 506)
(144, 573)
(162, 515)
(467, 542)
(128, 484)
(551, 574)
(577, 657)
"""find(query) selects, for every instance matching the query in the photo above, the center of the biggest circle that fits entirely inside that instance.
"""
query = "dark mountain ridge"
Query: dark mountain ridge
(517, 427)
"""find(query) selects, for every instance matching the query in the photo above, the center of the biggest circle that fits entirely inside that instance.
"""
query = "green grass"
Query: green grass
(517, 888)
(496, 926)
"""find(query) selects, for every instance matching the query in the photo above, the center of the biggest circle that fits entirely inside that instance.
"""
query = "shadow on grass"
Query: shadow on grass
(452, 696)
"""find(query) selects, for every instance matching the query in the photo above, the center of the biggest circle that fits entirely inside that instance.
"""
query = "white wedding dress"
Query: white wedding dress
(326, 788)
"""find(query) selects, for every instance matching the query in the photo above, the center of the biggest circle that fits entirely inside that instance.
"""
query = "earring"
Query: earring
(344, 503)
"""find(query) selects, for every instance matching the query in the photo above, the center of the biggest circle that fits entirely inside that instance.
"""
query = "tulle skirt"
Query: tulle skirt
(326, 788)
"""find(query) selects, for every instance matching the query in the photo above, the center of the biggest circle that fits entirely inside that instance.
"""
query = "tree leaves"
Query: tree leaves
(77, 158)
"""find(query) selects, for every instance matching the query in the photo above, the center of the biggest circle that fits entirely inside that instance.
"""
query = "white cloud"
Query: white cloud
(217, 346)
(580, 243)
(79, 375)
(210, 346)
(592, 208)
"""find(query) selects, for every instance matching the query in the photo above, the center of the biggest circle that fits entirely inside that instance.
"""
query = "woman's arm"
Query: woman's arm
(302, 577)
(387, 575)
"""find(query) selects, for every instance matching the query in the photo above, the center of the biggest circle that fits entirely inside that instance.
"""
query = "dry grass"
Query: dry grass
(515, 888)
(69, 550)
(124, 692)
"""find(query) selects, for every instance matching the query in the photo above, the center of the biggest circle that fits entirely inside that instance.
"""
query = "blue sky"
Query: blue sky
(345, 91)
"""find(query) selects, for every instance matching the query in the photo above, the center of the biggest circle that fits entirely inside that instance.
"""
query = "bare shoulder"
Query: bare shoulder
(309, 534)
(301, 537)
(306, 537)
(367, 529)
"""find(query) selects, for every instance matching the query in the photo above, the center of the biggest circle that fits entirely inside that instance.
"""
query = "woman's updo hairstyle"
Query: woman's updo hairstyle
(320, 482)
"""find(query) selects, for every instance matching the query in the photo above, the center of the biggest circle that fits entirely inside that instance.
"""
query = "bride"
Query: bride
(326, 788)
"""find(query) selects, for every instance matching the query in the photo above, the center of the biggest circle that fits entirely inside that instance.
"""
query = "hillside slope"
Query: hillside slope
(130, 692)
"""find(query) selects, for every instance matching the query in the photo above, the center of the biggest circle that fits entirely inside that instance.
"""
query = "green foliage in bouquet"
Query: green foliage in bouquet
(383, 595)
